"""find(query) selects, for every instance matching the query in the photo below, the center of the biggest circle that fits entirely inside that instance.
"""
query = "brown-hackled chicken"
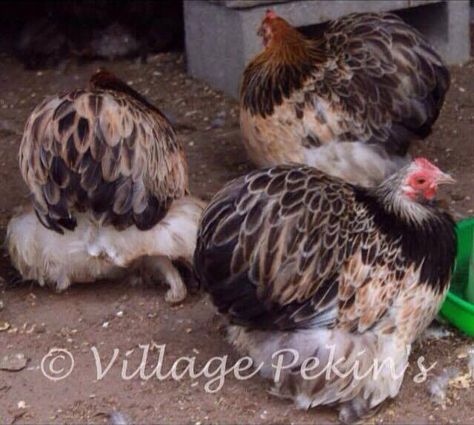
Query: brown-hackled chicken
(105, 156)
(298, 260)
(348, 102)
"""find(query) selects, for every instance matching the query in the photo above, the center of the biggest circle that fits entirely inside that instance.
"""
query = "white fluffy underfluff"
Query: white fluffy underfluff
(373, 367)
(119, 418)
(91, 252)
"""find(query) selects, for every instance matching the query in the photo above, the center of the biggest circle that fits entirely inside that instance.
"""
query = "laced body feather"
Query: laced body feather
(370, 79)
(106, 151)
(297, 259)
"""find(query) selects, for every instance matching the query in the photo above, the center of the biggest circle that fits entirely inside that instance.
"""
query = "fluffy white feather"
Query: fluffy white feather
(173, 237)
(54, 259)
(92, 252)
(348, 367)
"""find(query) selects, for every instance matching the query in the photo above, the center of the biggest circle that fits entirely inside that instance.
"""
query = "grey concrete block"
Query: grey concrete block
(221, 39)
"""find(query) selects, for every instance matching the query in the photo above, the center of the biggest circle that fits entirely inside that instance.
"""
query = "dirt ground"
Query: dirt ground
(111, 316)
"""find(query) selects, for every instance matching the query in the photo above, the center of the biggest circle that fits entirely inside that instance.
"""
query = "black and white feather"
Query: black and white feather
(297, 259)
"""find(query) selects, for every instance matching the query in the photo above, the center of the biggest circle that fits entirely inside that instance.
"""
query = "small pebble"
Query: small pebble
(218, 123)
(13, 362)
(4, 326)
(464, 351)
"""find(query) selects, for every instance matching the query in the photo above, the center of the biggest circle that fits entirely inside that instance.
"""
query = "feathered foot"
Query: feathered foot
(357, 411)
(62, 283)
(165, 267)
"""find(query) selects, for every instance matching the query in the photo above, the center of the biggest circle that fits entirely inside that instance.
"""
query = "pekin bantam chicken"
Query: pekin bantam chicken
(348, 102)
(107, 158)
(303, 262)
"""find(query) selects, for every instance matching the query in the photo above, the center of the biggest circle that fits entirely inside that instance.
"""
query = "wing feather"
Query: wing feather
(278, 250)
(324, 263)
(383, 83)
(104, 152)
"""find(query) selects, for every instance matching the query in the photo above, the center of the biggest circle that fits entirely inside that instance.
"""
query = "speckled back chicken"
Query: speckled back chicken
(349, 276)
(109, 183)
(349, 102)
(105, 150)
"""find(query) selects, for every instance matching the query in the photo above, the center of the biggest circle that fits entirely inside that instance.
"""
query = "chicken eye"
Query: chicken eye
(421, 181)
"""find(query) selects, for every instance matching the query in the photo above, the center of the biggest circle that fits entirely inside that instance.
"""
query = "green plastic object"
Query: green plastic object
(470, 280)
(456, 308)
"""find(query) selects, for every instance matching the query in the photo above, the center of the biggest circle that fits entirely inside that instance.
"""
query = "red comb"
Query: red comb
(270, 14)
(424, 163)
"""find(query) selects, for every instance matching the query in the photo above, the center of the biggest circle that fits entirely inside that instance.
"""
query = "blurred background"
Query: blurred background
(218, 36)
(44, 33)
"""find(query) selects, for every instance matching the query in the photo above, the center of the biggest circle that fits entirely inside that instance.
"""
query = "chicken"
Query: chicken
(109, 158)
(93, 252)
(299, 260)
(348, 102)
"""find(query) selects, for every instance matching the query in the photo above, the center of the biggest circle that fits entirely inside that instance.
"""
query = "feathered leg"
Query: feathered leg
(357, 372)
(357, 411)
(165, 267)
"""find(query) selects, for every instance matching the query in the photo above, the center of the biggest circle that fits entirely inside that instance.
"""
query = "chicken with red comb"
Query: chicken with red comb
(348, 102)
(270, 14)
(332, 274)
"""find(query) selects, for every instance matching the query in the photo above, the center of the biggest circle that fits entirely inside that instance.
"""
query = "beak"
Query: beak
(444, 178)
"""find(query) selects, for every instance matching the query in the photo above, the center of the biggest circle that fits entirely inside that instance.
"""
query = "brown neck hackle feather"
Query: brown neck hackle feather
(282, 67)
(287, 44)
